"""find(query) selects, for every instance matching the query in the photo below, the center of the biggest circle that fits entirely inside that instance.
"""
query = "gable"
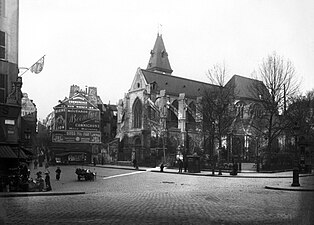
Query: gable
(139, 81)
(77, 101)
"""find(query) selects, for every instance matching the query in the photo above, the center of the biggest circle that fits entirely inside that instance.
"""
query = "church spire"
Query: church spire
(159, 57)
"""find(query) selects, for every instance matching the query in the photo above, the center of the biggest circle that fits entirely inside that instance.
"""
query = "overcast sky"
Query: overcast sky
(102, 43)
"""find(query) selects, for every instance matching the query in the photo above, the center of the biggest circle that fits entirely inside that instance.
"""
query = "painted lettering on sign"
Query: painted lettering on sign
(70, 136)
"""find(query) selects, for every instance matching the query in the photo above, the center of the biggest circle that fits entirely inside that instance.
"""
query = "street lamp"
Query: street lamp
(295, 181)
(213, 147)
(186, 144)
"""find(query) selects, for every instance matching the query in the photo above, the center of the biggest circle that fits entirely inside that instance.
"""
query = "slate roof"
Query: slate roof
(176, 85)
(246, 87)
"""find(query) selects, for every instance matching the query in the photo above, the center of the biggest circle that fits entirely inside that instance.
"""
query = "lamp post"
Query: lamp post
(186, 146)
(257, 155)
(295, 181)
(186, 139)
(213, 147)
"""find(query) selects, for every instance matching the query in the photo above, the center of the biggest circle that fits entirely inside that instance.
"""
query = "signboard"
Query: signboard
(60, 119)
(83, 119)
(72, 136)
(76, 121)
(77, 114)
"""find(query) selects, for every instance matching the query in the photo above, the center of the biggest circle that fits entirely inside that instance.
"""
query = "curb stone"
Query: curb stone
(289, 188)
(30, 194)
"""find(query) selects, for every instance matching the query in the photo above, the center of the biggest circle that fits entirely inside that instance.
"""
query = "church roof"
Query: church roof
(246, 87)
(159, 57)
(176, 85)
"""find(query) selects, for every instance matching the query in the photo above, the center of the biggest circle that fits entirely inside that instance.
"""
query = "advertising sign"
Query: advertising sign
(83, 119)
(60, 119)
(71, 136)
(76, 121)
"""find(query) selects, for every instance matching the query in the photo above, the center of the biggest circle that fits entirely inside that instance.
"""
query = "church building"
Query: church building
(158, 119)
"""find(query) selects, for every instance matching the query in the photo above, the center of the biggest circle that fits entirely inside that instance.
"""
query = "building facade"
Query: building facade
(10, 87)
(28, 136)
(79, 127)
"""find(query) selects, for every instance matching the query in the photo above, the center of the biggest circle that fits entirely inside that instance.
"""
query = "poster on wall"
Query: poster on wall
(83, 119)
(71, 136)
(60, 118)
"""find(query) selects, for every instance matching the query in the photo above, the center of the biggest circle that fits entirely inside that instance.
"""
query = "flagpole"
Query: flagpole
(27, 69)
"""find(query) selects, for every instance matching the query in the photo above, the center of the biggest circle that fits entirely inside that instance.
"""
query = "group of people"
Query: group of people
(45, 184)
(180, 163)
(41, 182)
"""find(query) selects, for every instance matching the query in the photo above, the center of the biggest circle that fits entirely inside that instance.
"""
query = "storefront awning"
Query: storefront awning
(69, 153)
(6, 152)
(27, 151)
(20, 153)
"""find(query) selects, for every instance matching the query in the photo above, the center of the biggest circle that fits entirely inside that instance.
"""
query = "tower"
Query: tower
(159, 61)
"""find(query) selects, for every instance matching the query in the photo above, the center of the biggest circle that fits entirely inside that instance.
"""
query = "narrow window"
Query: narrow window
(137, 114)
(2, 45)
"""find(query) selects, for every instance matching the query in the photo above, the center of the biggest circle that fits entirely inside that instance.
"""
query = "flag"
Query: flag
(38, 66)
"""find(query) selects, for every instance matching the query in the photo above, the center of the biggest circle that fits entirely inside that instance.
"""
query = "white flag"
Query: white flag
(38, 66)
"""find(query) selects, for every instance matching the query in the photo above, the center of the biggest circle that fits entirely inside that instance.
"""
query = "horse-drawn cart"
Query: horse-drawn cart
(86, 174)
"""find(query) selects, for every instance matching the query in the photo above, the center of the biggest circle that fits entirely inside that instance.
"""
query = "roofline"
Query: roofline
(248, 78)
(182, 78)
(76, 94)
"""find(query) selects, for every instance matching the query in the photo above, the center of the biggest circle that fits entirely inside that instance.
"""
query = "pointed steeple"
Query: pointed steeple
(159, 57)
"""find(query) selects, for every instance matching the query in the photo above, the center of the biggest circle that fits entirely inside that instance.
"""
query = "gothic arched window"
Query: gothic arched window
(240, 109)
(137, 114)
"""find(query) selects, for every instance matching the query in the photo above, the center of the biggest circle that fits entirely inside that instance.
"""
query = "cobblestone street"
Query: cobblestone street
(141, 197)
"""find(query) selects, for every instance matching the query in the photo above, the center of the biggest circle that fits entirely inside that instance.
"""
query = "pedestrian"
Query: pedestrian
(94, 161)
(24, 172)
(40, 181)
(135, 163)
(186, 165)
(47, 181)
(58, 172)
(162, 167)
(35, 164)
(180, 163)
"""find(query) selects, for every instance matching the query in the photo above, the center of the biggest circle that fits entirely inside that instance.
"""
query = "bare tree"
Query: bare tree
(279, 77)
(217, 74)
(215, 106)
(300, 112)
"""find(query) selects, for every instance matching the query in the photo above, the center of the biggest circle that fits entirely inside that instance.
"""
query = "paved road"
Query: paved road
(140, 197)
